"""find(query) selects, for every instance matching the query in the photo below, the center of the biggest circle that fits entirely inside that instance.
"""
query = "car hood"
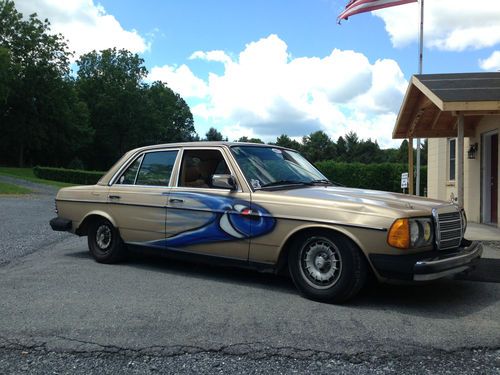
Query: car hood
(363, 197)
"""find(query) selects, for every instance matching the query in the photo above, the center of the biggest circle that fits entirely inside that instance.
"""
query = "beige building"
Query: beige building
(460, 114)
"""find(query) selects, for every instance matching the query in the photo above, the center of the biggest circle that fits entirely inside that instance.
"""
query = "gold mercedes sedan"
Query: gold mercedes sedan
(265, 207)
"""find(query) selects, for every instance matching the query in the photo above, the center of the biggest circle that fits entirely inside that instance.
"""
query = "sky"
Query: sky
(263, 68)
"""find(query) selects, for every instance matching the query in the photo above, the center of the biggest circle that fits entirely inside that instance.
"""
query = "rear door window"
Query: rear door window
(155, 169)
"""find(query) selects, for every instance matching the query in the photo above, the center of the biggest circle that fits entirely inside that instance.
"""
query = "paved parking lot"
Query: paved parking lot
(61, 310)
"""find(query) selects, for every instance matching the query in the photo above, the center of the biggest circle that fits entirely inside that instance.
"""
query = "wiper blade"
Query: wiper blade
(286, 182)
(322, 181)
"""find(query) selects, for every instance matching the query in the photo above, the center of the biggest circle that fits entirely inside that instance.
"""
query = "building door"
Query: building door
(490, 178)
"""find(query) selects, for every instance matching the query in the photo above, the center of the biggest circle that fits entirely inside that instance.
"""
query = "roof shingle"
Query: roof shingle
(467, 87)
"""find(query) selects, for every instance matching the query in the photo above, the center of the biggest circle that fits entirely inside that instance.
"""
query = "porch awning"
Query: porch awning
(433, 102)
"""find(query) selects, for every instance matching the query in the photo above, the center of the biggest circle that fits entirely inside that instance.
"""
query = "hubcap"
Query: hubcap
(320, 263)
(103, 237)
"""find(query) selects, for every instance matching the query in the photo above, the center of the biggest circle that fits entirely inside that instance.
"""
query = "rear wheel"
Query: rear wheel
(327, 267)
(104, 242)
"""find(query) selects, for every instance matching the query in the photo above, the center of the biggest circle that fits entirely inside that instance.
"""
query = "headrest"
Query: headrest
(191, 169)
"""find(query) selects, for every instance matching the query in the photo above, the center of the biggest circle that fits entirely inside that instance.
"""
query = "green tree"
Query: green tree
(249, 140)
(352, 143)
(424, 149)
(38, 96)
(403, 152)
(4, 75)
(368, 152)
(318, 146)
(285, 141)
(391, 155)
(125, 112)
(110, 82)
(213, 135)
(341, 149)
(171, 118)
(351, 149)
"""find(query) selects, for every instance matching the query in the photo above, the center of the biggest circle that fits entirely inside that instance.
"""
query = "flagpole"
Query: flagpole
(421, 49)
(420, 61)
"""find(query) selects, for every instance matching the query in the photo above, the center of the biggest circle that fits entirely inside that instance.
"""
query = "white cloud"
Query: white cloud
(181, 80)
(449, 25)
(492, 63)
(387, 85)
(86, 26)
(264, 92)
(218, 56)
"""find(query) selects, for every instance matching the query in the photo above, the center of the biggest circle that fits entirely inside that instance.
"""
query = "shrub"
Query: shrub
(383, 176)
(73, 176)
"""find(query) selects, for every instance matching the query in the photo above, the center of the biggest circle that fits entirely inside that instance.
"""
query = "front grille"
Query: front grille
(449, 227)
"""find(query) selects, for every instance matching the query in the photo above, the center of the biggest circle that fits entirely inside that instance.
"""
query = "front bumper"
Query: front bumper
(60, 224)
(430, 265)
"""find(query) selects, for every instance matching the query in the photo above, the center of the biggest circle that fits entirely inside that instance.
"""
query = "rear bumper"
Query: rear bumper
(61, 225)
(429, 265)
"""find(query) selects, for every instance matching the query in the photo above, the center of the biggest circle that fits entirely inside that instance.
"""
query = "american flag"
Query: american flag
(361, 6)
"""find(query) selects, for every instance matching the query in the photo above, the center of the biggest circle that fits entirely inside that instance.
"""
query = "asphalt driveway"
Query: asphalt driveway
(61, 310)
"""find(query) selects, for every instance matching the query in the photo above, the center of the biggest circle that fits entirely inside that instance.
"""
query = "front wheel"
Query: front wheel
(104, 242)
(327, 267)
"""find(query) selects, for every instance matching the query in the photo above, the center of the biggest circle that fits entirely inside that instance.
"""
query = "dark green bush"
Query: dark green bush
(384, 176)
(72, 176)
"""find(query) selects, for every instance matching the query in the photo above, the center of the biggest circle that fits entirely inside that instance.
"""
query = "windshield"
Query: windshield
(268, 166)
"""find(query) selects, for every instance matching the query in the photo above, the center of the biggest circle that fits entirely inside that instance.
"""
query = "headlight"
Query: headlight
(420, 232)
(414, 232)
(410, 233)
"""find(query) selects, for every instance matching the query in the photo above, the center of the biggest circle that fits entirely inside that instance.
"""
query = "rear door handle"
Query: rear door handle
(176, 200)
(114, 197)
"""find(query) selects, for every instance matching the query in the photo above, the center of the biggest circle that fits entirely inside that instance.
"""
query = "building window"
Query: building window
(452, 147)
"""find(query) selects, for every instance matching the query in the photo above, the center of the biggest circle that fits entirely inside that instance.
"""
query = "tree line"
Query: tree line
(318, 146)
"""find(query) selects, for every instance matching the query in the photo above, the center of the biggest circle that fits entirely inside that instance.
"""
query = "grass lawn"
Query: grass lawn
(12, 189)
(27, 174)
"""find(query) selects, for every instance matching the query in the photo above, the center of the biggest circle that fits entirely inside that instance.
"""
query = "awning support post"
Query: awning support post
(410, 166)
(460, 159)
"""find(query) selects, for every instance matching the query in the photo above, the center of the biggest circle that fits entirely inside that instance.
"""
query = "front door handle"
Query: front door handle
(176, 200)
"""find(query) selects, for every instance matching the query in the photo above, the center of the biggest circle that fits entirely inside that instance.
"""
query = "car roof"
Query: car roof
(204, 144)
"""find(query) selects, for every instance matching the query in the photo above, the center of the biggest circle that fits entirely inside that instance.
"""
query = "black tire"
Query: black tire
(104, 241)
(326, 266)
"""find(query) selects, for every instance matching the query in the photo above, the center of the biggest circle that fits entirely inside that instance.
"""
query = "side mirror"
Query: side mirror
(224, 181)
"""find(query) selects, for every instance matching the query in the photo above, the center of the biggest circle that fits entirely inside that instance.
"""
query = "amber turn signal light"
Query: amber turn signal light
(399, 234)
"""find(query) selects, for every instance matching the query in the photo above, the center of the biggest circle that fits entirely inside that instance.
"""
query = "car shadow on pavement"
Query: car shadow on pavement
(487, 270)
(438, 299)
(157, 263)
(80, 254)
